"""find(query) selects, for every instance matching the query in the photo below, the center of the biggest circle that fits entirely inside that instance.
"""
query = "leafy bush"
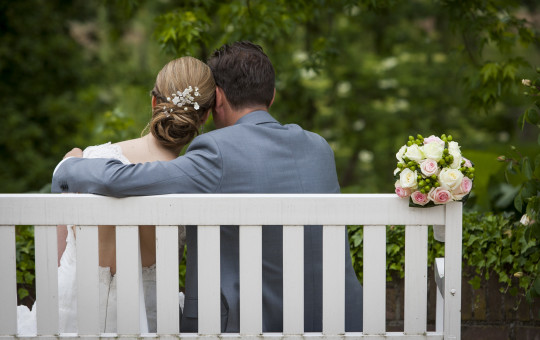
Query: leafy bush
(493, 244)
(498, 244)
(25, 262)
(395, 250)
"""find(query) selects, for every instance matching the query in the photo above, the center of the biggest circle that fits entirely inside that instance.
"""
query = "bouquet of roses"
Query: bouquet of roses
(432, 171)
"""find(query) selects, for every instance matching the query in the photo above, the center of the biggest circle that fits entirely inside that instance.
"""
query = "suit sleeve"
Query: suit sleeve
(198, 171)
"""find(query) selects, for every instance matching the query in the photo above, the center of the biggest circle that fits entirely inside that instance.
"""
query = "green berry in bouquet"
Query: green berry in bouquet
(432, 171)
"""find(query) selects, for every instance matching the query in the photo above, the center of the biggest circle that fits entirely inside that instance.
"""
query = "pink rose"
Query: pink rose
(440, 195)
(433, 139)
(402, 192)
(429, 167)
(466, 185)
(463, 189)
(419, 198)
(468, 163)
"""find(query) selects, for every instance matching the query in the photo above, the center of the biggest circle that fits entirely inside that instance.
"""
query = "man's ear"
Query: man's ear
(273, 97)
(220, 97)
(154, 101)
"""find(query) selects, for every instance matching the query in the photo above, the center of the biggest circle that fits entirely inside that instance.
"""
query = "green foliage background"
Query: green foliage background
(364, 74)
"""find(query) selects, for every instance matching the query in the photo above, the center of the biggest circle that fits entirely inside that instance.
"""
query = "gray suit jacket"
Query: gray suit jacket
(256, 155)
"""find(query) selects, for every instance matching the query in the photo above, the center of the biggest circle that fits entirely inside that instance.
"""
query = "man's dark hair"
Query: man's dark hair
(244, 73)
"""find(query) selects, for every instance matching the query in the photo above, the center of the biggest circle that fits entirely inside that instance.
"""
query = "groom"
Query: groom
(250, 152)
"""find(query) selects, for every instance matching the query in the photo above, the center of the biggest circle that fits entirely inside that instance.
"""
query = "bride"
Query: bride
(182, 98)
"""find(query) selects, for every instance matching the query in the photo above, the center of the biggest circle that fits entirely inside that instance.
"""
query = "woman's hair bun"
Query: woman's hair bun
(184, 92)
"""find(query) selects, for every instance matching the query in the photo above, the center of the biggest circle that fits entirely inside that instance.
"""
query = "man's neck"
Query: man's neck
(237, 114)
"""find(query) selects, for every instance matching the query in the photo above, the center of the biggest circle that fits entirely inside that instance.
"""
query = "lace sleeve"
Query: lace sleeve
(106, 150)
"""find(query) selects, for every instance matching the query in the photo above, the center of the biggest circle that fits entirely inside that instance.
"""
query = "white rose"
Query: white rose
(453, 150)
(429, 167)
(453, 147)
(400, 153)
(414, 153)
(450, 179)
(434, 151)
(407, 178)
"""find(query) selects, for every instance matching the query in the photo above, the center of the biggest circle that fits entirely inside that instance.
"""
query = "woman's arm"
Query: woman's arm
(198, 171)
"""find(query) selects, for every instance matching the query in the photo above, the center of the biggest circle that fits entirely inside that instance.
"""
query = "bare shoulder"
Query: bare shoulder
(144, 149)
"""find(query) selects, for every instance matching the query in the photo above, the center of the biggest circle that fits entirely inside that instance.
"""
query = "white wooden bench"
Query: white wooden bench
(334, 212)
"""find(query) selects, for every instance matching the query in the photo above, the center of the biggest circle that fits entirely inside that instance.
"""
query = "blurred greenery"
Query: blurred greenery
(364, 74)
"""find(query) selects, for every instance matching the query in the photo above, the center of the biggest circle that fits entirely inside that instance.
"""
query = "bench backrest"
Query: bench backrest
(250, 212)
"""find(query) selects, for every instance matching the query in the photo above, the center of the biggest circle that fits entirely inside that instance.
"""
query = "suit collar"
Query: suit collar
(256, 118)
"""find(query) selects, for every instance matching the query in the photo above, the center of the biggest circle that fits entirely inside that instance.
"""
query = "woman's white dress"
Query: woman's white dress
(67, 285)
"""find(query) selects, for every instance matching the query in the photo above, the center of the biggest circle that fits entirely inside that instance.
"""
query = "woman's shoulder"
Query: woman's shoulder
(107, 150)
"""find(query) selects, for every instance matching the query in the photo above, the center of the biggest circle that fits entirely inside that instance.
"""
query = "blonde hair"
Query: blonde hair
(175, 126)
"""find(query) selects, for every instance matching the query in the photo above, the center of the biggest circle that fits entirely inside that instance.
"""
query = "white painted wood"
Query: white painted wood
(265, 336)
(8, 281)
(250, 244)
(168, 313)
(439, 281)
(374, 280)
(127, 279)
(333, 279)
(227, 209)
(209, 298)
(46, 280)
(439, 312)
(87, 279)
(293, 279)
(244, 210)
(439, 274)
(415, 318)
(452, 271)
(438, 232)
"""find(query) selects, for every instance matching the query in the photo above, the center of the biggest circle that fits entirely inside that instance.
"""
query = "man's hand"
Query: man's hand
(76, 152)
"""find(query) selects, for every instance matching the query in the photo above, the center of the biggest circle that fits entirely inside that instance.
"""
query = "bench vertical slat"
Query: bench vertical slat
(8, 281)
(46, 280)
(209, 298)
(416, 238)
(250, 244)
(439, 281)
(452, 271)
(333, 279)
(127, 280)
(374, 280)
(87, 279)
(293, 279)
(168, 312)
(439, 314)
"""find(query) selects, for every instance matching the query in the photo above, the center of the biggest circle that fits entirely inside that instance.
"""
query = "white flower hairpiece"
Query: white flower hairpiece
(184, 98)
